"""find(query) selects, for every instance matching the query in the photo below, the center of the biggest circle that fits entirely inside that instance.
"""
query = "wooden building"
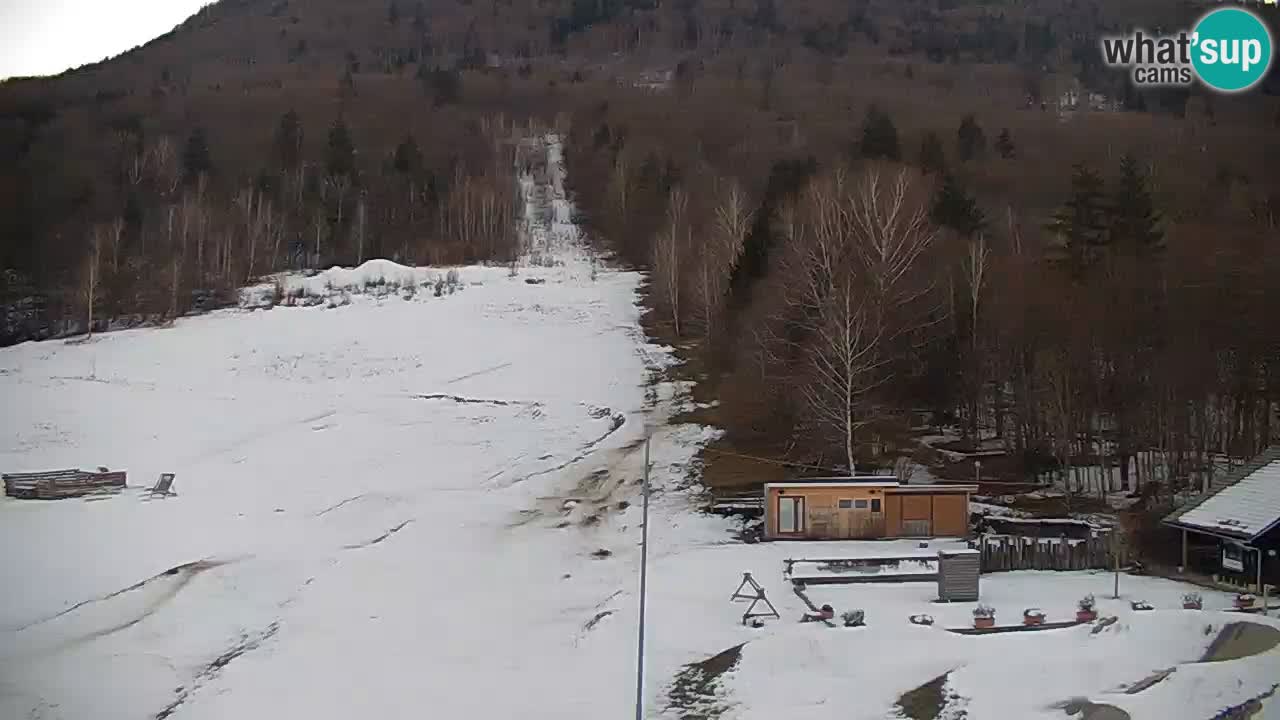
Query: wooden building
(1238, 522)
(864, 508)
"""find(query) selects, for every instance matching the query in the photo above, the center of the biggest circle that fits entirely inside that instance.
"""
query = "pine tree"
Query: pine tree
(933, 158)
(393, 13)
(341, 158)
(408, 158)
(954, 208)
(195, 156)
(1080, 225)
(288, 144)
(879, 136)
(1005, 146)
(970, 140)
(1134, 223)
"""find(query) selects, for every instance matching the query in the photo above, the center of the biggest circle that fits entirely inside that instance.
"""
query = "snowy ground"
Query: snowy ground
(397, 508)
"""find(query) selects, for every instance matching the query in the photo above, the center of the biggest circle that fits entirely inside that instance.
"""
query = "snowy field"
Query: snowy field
(427, 507)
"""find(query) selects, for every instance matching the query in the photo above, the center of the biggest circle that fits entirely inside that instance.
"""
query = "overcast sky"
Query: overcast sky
(45, 37)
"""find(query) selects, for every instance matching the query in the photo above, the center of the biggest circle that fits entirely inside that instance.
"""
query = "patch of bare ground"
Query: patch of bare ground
(1240, 640)
(695, 692)
(925, 702)
(1087, 710)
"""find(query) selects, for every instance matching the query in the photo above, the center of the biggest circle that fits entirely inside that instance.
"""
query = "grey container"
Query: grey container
(958, 572)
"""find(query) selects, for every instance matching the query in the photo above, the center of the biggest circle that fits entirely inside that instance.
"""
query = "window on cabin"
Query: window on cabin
(846, 504)
(860, 504)
(875, 505)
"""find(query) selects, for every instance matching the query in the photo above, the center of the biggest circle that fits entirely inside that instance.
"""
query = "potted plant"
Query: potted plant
(1033, 616)
(1087, 609)
(1244, 601)
(984, 616)
(1192, 601)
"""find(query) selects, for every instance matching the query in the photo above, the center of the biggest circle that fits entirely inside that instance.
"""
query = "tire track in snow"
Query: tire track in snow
(247, 644)
(188, 570)
(476, 401)
(617, 422)
(380, 538)
(478, 373)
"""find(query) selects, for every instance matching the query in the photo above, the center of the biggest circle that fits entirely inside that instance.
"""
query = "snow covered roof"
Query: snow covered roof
(1244, 504)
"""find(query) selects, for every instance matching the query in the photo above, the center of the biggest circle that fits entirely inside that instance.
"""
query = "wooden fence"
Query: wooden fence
(1013, 552)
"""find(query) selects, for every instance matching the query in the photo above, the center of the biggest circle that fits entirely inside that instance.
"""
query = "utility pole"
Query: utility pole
(644, 568)
(1115, 553)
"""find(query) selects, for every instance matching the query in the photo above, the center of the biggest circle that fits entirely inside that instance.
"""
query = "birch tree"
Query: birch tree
(93, 274)
(667, 255)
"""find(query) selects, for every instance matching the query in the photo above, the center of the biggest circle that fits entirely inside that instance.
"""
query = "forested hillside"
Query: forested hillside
(851, 211)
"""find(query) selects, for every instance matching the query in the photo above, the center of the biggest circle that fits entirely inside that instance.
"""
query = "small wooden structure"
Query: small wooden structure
(864, 508)
(58, 484)
(958, 573)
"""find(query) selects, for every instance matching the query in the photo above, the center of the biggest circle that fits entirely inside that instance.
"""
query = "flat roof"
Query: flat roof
(942, 487)
(832, 483)
(938, 487)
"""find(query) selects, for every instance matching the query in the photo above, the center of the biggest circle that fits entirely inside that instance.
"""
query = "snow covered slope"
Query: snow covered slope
(427, 507)
(371, 492)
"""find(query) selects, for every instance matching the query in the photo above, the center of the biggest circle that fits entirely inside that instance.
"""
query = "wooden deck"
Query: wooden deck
(59, 484)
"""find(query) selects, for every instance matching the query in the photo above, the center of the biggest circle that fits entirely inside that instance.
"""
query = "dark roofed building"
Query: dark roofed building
(1240, 516)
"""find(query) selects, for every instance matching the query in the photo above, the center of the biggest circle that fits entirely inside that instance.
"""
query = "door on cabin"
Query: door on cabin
(790, 515)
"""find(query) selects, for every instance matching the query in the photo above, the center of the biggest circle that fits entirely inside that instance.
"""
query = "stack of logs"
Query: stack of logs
(59, 484)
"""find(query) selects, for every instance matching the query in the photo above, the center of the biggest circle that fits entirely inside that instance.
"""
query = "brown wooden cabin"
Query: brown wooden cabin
(864, 508)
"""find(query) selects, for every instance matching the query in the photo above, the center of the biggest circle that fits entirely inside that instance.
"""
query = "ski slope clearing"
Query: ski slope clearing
(427, 505)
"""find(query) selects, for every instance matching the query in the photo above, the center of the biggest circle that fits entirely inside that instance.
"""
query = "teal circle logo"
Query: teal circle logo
(1231, 49)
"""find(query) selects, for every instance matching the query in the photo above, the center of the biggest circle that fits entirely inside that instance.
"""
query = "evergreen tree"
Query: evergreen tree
(444, 86)
(954, 208)
(1004, 144)
(933, 158)
(879, 136)
(1134, 223)
(341, 157)
(1080, 225)
(408, 158)
(393, 13)
(288, 144)
(195, 156)
(970, 140)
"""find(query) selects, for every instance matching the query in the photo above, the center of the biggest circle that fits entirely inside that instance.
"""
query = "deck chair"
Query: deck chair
(163, 487)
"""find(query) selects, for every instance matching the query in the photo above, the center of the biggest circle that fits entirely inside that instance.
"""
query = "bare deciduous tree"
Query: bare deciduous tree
(667, 255)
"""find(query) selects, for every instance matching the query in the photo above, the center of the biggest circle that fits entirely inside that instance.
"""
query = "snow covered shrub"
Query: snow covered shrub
(984, 611)
(451, 281)
(1087, 603)
(854, 618)
(511, 269)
